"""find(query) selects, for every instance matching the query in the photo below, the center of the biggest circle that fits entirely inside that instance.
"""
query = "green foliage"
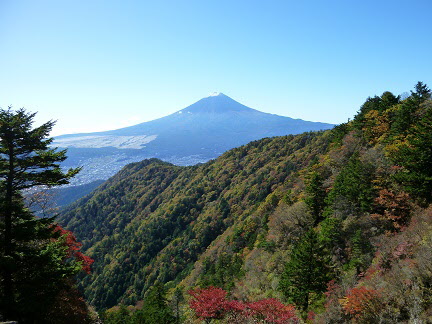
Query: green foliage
(315, 195)
(117, 316)
(34, 261)
(354, 185)
(318, 200)
(379, 104)
(153, 220)
(307, 272)
(331, 233)
(339, 132)
(360, 252)
(404, 117)
(422, 92)
(155, 309)
(415, 156)
(223, 272)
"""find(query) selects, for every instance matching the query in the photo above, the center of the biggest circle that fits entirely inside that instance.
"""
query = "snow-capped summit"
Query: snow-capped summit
(215, 94)
(197, 133)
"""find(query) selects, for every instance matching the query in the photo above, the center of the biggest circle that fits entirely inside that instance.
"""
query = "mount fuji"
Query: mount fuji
(197, 133)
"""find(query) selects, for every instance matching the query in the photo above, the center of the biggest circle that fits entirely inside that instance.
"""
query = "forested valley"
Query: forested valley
(321, 227)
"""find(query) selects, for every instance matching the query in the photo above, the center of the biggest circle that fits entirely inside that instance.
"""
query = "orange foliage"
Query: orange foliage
(360, 301)
(394, 207)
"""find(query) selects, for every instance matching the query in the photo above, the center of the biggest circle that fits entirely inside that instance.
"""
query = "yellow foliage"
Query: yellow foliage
(376, 126)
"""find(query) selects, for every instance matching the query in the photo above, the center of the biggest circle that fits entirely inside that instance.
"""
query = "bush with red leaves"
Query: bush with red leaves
(360, 302)
(211, 303)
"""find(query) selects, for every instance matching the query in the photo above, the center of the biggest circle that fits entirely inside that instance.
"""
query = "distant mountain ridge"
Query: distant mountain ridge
(197, 133)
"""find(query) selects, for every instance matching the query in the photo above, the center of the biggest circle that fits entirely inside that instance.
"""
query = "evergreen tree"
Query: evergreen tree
(307, 272)
(415, 156)
(354, 185)
(32, 267)
(177, 299)
(155, 308)
(422, 92)
(407, 116)
(316, 195)
(361, 249)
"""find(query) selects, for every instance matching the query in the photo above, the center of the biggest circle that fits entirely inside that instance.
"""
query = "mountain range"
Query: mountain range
(195, 134)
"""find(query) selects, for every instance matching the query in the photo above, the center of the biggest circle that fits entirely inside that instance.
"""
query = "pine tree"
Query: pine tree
(422, 92)
(316, 195)
(29, 259)
(155, 308)
(415, 156)
(353, 184)
(307, 272)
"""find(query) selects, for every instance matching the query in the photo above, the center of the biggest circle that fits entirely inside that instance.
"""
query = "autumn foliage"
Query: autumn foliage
(271, 310)
(211, 303)
(393, 207)
(360, 301)
(73, 247)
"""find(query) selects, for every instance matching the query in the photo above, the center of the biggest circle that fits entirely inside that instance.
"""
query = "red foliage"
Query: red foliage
(272, 311)
(331, 293)
(360, 301)
(311, 316)
(236, 306)
(73, 247)
(85, 260)
(209, 303)
(212, 303)
(332, 287)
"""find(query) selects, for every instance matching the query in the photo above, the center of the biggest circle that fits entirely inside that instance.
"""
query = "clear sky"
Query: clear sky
(102, 64)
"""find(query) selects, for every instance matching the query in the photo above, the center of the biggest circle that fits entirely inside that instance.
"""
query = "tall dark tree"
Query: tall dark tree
(27, 252)
(407, 116)
(415, 156)
(307, 272)
(155, 308)
(353, 185)
(315, 196)
(422, 92)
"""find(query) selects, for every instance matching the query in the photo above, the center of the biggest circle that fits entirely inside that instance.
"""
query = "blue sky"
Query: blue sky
(98, 65)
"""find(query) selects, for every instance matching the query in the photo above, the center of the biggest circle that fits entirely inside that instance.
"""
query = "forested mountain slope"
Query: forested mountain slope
(353, 199)
(153, 219)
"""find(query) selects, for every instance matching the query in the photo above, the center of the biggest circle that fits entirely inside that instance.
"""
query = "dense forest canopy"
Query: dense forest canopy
(354, 200)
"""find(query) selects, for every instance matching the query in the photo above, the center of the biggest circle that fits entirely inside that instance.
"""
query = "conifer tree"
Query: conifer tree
(29, 260)
(155, 308)
(315, 196)
(307, 272)
(422, 92)
(415, 156)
